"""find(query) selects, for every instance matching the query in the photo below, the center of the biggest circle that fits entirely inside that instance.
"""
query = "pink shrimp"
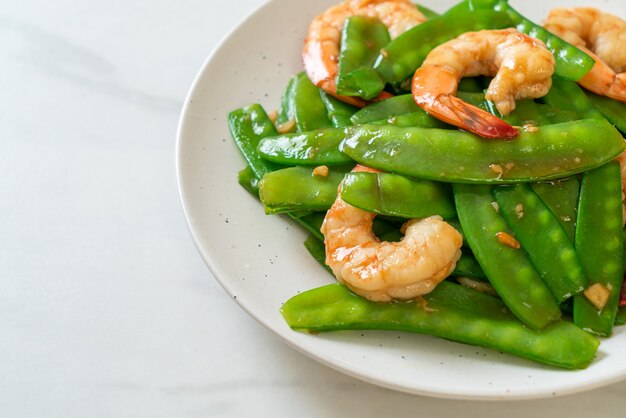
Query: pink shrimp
(522, 67)
(381, 271)
(321, 46)
(601, 35)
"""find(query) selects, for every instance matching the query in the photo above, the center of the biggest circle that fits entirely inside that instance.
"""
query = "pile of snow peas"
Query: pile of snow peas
(555, 192)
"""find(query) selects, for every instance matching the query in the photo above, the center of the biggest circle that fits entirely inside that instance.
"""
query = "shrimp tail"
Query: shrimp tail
(603, 80)
(455, 111)
(478, 121)
(434, 88)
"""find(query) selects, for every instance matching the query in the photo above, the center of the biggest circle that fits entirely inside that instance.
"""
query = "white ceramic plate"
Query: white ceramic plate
(260, 260)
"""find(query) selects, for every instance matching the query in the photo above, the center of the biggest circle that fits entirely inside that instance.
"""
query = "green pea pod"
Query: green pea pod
(361, 41)
(509, 270)
(297, 188)
(384, 229)
(553, 151)
(428, 13)
(397, 105)
(478, 100)
(391, 236)
(561, 197)
(316, 248)
(620, 318)
(405, 54)
(320, 147)
(571, 62)
(599, 244)
(468, 266)
(402, 111)
(308, 108)
(567, 95)
(457, 225)
(527, 112)
(339, 112)
(537, 114)
(624, 255)
(470, 85)
(286, 109)
(312, 223)
(248, 126)
(395, 195)
(419, 119)
(613, 110)
(248, 181)
(398, 111)
(452, 312)
(543, 238)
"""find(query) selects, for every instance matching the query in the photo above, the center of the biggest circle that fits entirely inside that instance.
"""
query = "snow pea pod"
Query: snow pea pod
(509, 269)
(418, 118)
(395, 195)
(471, 85)
(320, 147)
(552, 151)
(308, 108)
(312, 223)
(561, 197)
(543, 238)
(316, 248)
(454, 222)
(599, 244)
(248, 126)
(613, 110)
(339, 112)
(248, 181)
(428, 13)
(620, 318)
(527, 111)
(361, 41)
(451, 312)
(624, 255)
(297, 188)
(567, 95)
(405, 54)
(285, 113)
(538, 114)
(397, 105)
(403, 111)
(468, 266)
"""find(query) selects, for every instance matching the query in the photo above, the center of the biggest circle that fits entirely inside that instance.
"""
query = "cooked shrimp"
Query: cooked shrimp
(321, 46)
(381, 271)
(601, 35)
(522, 67)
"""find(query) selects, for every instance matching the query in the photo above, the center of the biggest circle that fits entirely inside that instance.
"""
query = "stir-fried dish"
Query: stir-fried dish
(460, 174)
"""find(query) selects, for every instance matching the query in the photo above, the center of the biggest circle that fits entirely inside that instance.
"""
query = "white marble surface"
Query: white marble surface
(106, 308)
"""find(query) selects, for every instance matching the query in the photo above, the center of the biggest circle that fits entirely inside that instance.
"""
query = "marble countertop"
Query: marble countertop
(107, 308)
